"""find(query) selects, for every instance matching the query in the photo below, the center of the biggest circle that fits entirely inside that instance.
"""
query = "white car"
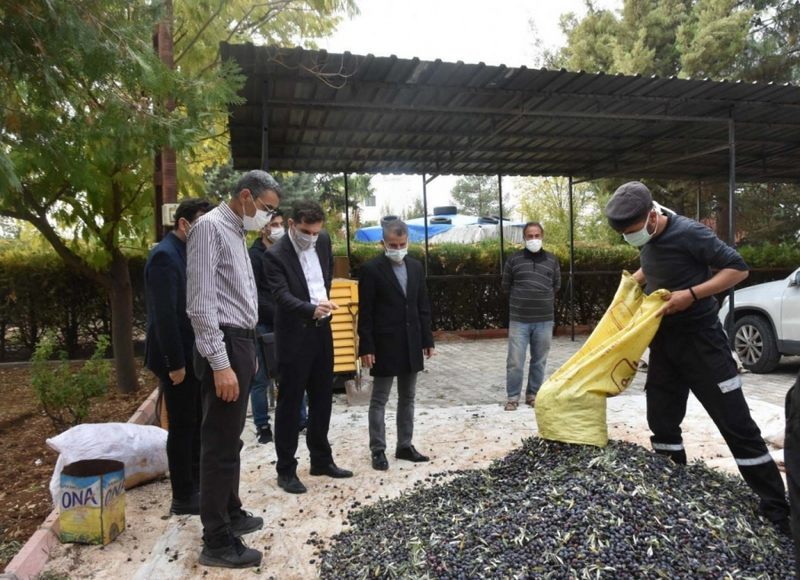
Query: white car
(766, 322)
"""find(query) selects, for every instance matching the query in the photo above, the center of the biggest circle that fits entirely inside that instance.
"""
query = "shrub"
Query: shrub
(64, 393)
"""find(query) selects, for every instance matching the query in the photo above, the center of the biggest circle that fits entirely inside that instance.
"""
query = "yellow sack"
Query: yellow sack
(571, 405)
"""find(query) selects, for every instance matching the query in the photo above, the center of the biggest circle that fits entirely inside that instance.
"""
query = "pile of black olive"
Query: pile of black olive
(553, 510)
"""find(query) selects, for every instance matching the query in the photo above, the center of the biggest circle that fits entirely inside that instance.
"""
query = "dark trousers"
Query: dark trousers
(311, 371)
(183, 438)
(791, 458)
(700, 361)
(221, 443)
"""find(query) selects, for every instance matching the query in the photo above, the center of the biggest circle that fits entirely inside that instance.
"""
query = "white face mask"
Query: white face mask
(305, 241)
(257, 222)
(276, 234)
(533, 245)
(641, 237)
(396, 255)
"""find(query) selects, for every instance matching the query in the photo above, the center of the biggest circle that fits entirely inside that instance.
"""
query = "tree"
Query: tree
(415, 210)
(83, 96)
(331, 196)
(748, 40)
(477, 195)
(200, 25)
(546, 200)
(83, 93)
(9, 229)
(737, 39)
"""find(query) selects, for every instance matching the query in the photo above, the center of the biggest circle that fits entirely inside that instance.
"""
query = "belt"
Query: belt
(239, 332)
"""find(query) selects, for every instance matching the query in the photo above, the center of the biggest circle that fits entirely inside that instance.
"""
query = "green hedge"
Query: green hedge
(38, 293)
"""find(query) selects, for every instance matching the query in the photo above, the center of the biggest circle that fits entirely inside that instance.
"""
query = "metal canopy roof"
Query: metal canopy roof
(314, 111)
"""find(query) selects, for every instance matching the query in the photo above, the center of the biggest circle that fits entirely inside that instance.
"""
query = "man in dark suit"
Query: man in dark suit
(168, 351)
(394, 332)
(299, 270)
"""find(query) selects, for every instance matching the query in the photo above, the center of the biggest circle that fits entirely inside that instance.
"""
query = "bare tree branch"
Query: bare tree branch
(201, 30)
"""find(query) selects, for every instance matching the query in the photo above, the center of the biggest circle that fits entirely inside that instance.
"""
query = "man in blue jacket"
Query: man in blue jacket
(168, 353)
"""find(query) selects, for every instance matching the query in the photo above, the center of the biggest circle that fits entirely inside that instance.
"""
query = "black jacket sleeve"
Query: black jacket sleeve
(266, 303)
(278, 284)
(162, 291)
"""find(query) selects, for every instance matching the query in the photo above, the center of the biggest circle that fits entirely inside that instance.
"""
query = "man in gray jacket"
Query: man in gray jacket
(531, 278)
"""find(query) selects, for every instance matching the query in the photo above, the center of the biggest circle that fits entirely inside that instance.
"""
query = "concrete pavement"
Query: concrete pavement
(474, 372)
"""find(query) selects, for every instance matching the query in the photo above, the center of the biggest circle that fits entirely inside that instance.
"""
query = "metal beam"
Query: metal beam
(425, 209)
(493, 111)
(265, 129)
(413, 148)
(347, 216)
(731, 212)
(571, 261)
(502, 239)
(441, 91)
(526, 134)
(709, 151)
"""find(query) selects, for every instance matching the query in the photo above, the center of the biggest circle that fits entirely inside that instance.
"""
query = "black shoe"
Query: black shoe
(186, 507)
(264, 435)
(235, 555)
(290, 484)
(410, 454)
(379, 461)
(245, 523)
(331, 470)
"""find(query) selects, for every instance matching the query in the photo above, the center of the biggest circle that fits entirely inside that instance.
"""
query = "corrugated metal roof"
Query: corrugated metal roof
(329, 112)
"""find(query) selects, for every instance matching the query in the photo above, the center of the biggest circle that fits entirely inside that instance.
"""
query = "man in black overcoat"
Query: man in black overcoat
(394, 331)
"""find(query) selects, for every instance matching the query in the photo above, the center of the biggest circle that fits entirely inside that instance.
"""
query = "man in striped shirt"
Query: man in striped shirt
(222, 303)
(531, 278)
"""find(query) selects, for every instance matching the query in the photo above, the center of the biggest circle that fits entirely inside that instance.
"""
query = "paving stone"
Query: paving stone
(472, 372)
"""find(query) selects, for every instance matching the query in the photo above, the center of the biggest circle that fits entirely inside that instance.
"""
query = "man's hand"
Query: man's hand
(227, 385)
(677, 301)
(324, 308)
(367, 361)
(429, 352)
(177, 376)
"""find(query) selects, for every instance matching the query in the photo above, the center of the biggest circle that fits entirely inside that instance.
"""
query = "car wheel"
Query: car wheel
(755, 344)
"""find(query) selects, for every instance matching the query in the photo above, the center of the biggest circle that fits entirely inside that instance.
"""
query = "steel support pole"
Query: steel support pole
(502, 238)
(265, 127)
(347, 216)
(425, 209)
(731, 213)
(697, 209)
(571, 262)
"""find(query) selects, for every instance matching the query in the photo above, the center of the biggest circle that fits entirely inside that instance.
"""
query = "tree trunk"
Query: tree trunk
(121, 293)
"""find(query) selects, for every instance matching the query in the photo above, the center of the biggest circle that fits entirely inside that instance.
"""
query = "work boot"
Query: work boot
(264, 434)
(234, 555)
(186, 507)
(245, 523)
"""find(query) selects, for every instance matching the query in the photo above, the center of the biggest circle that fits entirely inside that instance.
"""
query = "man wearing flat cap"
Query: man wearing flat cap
(690, 350)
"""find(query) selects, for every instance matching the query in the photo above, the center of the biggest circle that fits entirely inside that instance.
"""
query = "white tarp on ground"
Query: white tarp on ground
(472, 233)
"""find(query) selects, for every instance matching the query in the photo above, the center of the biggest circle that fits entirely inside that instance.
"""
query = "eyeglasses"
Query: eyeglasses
(267, 207)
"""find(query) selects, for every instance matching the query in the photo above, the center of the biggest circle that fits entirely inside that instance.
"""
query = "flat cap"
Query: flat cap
(630, 204)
